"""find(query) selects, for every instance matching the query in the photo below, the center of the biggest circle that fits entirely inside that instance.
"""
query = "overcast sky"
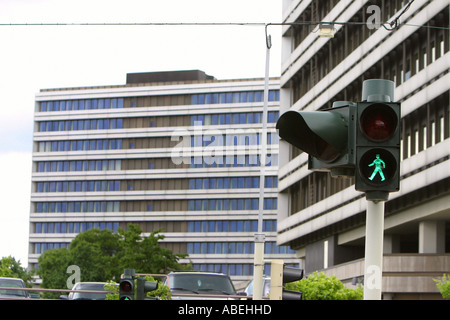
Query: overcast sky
(39, 57)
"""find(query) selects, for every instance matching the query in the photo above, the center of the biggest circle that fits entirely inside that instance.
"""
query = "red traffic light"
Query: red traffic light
(126, 286)
(378, 122)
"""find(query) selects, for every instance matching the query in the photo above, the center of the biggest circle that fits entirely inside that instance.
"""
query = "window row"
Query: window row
(74, 125)
(230, 204)
(231, 183)
(231, 226)
(159, 163)
(77, 206)
(78, 186)
(73, 227)
(232, 161)
(80, 145)
(40, 248)
(118, 103)
(270, 247)
(162, 121)
(153, 184)
(88, 104)
(78, 165)
(232, 269)
(233, 118)
(234, 97)
(154, 205)
(148, 143)
(244, 139)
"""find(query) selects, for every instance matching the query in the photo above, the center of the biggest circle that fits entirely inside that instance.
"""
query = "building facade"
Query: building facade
(176, 151)
(323, 218)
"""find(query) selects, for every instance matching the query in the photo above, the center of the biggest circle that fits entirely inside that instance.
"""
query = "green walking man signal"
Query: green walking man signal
(377, 163)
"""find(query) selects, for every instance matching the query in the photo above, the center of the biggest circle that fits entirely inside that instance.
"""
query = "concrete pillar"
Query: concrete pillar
(391, 244)
(432, 236)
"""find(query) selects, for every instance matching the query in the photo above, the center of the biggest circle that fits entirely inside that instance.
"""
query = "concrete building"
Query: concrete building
(177, 151)
(323, 218)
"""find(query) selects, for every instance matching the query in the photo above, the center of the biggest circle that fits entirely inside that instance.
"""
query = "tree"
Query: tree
(102, 255)
(11, 268)
(317, 286)
(53, 270)
(145, 255)
(97, 253)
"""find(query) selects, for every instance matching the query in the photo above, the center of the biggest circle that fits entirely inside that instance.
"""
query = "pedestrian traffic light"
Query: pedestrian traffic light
(327, 136)
(377, 141)
(126, 285)
(143, 286)
(280, 275)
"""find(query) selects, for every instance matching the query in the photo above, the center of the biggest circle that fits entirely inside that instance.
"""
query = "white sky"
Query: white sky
(39, 57)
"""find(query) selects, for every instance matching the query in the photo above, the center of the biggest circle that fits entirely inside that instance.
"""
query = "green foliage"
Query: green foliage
(444, 286)
(317, 286)
(114, 288)
(11, 268)
(53, 270)
(95, 251)
(146, 255)
(103, 255)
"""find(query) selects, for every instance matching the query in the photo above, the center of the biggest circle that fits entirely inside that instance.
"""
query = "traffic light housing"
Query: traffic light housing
(126, 289)
(279, 276)
(327, 136)
(143, 286)
(378, 131)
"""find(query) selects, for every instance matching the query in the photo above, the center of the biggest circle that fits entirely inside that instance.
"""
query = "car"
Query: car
(199, 284)
(13, 294)
(87, 286)
(265, 287)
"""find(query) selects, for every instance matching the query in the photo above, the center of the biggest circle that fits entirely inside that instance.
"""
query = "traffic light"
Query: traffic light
(143, 286)
(327, 136)
(126, 285)
(377, 141)
(126, 289)
(279, 276)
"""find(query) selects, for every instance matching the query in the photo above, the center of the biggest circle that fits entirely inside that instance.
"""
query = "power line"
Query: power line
(390, 26)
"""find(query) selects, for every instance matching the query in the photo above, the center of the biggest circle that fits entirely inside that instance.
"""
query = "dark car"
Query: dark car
(87, 286)
(13, 294)
(199, 284)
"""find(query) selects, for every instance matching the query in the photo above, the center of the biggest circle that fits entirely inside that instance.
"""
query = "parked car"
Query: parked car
(88, 286)
(199, 283)
(13, 294)
(265, 287)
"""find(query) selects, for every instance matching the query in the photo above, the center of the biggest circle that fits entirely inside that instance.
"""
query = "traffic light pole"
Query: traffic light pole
(373, 265)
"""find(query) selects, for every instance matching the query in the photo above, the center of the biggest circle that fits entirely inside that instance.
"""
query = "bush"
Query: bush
(317, 286)
(443, 286)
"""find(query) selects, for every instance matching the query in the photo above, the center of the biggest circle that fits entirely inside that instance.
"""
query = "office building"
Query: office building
(177, 151)
(323, 218)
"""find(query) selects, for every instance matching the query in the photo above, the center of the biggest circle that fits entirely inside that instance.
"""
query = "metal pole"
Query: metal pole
(258, 267)
(373, 265)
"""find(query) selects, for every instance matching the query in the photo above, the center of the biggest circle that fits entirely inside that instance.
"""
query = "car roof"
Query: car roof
(16, 279)
(198, 272)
